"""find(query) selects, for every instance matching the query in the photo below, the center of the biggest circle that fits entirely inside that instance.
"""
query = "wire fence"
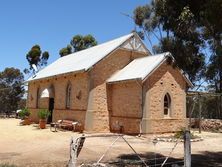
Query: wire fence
(130, 151)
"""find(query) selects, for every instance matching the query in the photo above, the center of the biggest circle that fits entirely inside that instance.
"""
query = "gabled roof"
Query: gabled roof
(83, 60)
(141, 68)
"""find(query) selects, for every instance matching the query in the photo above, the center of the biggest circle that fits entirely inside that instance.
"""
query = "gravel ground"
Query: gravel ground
(29, 146)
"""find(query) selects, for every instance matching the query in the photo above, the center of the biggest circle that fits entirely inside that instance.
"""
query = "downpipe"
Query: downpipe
(142, 102)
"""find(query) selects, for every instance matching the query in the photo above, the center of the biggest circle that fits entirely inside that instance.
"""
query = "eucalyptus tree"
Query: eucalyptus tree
(78, 43)
(36, 58)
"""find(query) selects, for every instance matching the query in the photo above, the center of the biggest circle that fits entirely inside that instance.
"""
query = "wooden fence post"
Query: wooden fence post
(200, 111)
(73, 154)
(187, 149)
(75, 148)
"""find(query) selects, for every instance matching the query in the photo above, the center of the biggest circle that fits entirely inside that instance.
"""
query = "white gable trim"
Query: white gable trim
(135, 43)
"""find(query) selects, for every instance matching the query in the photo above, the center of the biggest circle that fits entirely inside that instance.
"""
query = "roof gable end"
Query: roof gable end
(142, 68)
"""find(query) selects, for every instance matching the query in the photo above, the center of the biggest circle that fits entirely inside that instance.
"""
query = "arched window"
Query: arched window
(37, 97)
(167, 105)
(68, 95)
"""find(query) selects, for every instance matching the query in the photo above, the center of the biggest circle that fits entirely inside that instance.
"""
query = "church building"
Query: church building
(117, 86)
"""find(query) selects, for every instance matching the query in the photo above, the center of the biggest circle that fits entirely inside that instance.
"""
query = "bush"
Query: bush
(24, 113)
(7, 165)
(43, 114)
(180, 134)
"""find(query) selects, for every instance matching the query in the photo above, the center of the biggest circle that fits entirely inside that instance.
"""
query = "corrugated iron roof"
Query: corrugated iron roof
(139, 68)
(142, 67)
(80, 61)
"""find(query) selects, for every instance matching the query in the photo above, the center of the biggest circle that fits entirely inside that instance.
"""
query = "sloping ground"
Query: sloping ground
(30, 146)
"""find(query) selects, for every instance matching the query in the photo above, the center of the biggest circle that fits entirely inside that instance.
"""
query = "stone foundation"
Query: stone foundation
(164, 125)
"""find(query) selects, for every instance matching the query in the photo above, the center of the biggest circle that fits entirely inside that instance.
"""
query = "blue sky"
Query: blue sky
(52, 23)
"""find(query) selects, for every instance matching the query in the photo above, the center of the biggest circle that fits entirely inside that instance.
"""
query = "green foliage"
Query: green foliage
(43, 113)
(214, 73)
(176, 31)
(7, 165)
(180, 134)
(65, 51)
(210, 18)
(191, 31)
(141, 13)
(11, 89)
(22, 103)
(211, 107)
(186, 54)
(24, 113)
(78, 43)
(36, 57)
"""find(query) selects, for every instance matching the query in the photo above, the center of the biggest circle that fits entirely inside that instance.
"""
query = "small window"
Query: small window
(167, 105)
(68, 95)
(37, 97)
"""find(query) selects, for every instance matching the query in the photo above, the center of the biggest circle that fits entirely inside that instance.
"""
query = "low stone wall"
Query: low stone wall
(166, 125)
(207, 124)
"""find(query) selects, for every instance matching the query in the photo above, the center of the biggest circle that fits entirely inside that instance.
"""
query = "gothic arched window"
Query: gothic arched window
(37, 97)
(68, 95)
(167, 105)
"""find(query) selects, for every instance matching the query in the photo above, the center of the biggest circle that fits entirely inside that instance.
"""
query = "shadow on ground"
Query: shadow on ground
(150, 158)
(205, 159)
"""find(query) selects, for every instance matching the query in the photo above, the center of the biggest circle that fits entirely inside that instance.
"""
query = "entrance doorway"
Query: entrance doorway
(51, 108)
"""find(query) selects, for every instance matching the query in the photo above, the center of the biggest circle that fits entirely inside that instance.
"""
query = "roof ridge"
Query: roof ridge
(81, 60)
(99, 45)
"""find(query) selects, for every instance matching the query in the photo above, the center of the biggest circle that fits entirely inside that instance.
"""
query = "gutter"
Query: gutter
(52, 76)
(125, 80)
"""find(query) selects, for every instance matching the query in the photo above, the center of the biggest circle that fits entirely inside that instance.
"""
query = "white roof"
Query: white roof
(139, 68)
(80, 61)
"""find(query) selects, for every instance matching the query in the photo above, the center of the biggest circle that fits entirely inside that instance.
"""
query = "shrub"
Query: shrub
(24, 113)
(180, 134)
(43, 114)
(7, 165)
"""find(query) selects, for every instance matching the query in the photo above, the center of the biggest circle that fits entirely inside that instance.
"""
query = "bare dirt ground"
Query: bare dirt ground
(31, 146)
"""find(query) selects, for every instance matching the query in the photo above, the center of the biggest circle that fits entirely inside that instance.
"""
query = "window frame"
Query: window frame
(68, 95)
(37, 97)
(167, 105)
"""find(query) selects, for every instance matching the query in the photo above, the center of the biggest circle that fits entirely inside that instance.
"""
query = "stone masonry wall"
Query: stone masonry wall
(97, 116)
(165, 79)
(79, 97)
(70, 115)
(125, 110)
